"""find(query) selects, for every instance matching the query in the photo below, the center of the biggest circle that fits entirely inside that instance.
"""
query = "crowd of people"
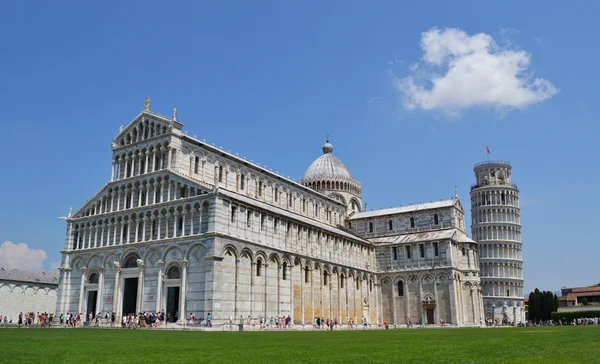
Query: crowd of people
(29, 319)
(157, 319)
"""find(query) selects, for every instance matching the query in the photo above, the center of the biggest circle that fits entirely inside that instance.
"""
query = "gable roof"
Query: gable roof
(29, 276)
(189, 179)
(291, 215)
(405, 209)
(446, 234)
(132, 124)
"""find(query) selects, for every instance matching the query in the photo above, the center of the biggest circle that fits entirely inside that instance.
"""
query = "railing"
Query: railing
(494, 184)
(491, 162)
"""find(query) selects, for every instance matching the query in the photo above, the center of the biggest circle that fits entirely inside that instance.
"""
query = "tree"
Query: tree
(542, 304)
(547, 305)
(584, 301)
(534, 305)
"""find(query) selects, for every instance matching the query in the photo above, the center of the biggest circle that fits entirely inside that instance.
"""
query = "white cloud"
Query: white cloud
(19, 256)
(459, 71)
(508, 31)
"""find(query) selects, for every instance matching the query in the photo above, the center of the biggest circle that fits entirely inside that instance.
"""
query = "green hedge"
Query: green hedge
(570, 316)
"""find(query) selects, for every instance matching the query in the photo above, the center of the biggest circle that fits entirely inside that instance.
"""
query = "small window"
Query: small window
(306, 274)
(131, 262)
(507, 293)
(422, 250)
(370, 227)
(357, 283)
(289, 200)
(342, 281)
(412, 222)
(258, 267)
(233, 211)
(400, 289)
(262, 221)
(242, 181)
(395, 253)
(436, 249)
(408, 252)
(260, 187)
(371, 285)
(248, 218)
(196, 162)
(436, 219)
(303, 205)
(276, 194)
(275, 223)
(284, 273)
(463, 251)
(349, 225)
(390, 225)
(174, 272)
(93, 278)
(220, 173)
(325, 280)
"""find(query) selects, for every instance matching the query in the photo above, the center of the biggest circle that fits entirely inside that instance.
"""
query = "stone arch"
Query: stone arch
(274, 257)
(128, 256)
(231, 250)
(260, 255)
(196, 253)
(172, 253)
(94, 261)
(169, 271)
(151, 257)
(397, 279)
(77, 263)
(248, 253)
(109, 260)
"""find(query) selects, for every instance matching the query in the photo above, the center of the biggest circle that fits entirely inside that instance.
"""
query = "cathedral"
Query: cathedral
(187, 227)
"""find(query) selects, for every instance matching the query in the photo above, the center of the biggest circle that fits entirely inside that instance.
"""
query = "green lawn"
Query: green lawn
(501, 345)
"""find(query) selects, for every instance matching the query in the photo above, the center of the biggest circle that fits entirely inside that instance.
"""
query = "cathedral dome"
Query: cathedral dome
(327, 168)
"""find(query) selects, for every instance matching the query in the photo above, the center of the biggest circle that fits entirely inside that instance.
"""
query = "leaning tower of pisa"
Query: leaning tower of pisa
(496, 226)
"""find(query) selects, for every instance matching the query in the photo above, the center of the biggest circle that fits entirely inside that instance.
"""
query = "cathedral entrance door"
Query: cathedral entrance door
(430, 316)
(91, 304)
(130, 295)
(172, 303)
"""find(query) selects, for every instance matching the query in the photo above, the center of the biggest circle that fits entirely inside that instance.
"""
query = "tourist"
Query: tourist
(208, 320)
(191, 318)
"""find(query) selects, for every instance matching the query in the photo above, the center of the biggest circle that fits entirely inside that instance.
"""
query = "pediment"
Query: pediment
(458, 204)
(146, 125)
(122, 184)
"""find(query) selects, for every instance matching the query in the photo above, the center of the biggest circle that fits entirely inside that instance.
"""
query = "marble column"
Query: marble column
(112, 171)
(100, 296)
(182, 301)
(82, 290)
(437, 302)
(116, 289)
(394, 294)
(140, 288)
(159, 286)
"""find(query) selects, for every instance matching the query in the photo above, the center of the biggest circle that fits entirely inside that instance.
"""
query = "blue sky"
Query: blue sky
(269, 80)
